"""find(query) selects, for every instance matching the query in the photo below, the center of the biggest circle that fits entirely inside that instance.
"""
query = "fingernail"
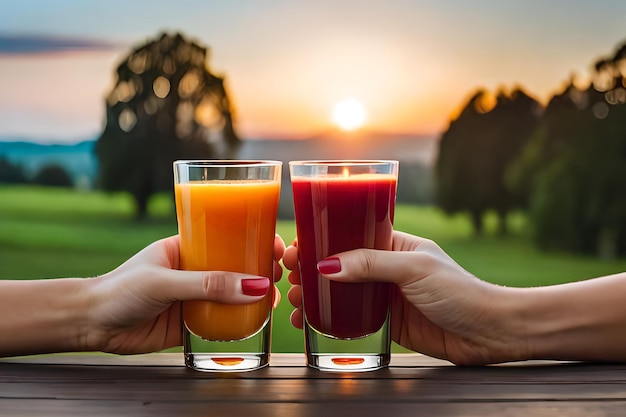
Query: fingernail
(255, 286)
(329, 266)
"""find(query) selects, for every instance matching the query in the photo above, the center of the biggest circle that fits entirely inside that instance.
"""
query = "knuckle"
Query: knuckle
(431, 247)
(428, 261)
(215, 284)
(367, 263)
(278, 272)
(425, 263)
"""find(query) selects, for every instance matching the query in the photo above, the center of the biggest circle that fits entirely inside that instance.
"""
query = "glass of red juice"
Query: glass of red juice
(340, 206)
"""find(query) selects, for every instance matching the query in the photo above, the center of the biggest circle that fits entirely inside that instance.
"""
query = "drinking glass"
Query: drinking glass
(339, 206)
(226, 212)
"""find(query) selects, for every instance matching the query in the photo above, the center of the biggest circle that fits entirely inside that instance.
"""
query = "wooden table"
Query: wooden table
(415, 385)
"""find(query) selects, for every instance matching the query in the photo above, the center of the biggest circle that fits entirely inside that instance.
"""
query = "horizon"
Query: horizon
(286, 66)
(361, 134)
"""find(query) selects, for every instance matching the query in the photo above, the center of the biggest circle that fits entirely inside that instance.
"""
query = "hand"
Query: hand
(136, 308)
(438, 308)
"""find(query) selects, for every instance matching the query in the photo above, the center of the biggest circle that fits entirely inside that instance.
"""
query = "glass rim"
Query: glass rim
(227, 162)
(344, 162)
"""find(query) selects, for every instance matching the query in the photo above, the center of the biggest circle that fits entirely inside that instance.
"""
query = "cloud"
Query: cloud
(34, 44)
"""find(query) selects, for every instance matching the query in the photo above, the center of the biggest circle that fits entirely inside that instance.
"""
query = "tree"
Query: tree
(165, 106)
(11, 173)
(573, 171)
(477, 148)
(53, 175)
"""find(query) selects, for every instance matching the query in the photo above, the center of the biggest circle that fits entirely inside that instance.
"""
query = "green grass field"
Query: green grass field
(65, 233)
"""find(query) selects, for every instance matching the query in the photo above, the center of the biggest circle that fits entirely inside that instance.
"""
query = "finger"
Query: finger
(297, 319)
(294, 277)
(170, 249)
(398, 305)
(219, 286)
(278, 272)
(375, 265)
(406, 242)
(163, 252)
(277, 297)
(290, 257)
(279, 247)
(294, 295)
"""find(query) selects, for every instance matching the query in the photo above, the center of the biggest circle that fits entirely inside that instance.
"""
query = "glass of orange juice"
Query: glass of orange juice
(226, 212)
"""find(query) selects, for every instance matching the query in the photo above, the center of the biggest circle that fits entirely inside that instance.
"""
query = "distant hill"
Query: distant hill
(415, 153)
(77, 159)
(362, 145)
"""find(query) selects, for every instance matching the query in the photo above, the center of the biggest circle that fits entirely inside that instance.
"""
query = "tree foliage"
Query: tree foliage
(165, 105)
(53, 175)
(11, 173)
(573, 171)
(476, 150)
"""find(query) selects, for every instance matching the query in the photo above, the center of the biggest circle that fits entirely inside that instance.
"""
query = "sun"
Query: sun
(349, 114)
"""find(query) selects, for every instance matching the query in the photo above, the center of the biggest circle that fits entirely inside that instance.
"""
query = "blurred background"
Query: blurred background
(508, 119)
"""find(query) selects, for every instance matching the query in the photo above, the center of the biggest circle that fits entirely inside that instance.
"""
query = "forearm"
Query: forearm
(577, 321)
(42, 316)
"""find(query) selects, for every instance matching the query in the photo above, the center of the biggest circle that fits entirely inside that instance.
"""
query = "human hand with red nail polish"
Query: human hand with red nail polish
(441, 310)
(438, 308)
(135, 308)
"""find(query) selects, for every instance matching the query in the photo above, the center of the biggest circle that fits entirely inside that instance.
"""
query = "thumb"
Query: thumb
(362, 265)
(220, 286)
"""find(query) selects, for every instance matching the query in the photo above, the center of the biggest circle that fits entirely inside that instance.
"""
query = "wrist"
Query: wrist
(92, 336)
(53, 319)
(544, 323)
(509, 339)
(74, 312)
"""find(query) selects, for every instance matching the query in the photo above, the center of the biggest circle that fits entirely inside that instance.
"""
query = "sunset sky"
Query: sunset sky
(409, 63)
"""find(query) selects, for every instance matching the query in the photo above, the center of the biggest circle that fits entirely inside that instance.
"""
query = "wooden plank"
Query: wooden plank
(63, 408)
(161, 388)
(399, 360)
(176, 359)
(530, 373)
(158, 384)
(297, 391)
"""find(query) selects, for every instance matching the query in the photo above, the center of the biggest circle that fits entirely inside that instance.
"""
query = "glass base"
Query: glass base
(231, 362)
(228, 356)
(347, 363)
(328, 353)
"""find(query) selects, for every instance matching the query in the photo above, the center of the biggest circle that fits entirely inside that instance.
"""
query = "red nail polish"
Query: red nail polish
(255, 286)
(329, 266)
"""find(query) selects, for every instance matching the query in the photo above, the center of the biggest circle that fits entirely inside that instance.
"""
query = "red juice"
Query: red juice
(335, 214)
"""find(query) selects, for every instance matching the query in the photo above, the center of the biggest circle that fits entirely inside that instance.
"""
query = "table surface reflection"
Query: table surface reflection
(414, 385)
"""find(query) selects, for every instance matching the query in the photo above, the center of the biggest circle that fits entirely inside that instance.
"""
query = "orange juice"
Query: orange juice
(227, 226)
